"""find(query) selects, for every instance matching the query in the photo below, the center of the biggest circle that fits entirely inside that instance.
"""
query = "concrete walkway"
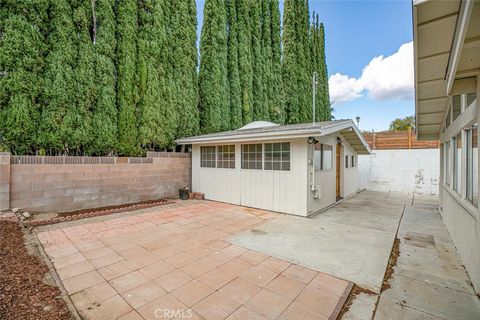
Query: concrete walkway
(351, 241)
(429, 281)
(175, 262)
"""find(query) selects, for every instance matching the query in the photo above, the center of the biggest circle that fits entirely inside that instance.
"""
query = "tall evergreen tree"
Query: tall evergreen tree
(304, 61)
(235, 95)
(22, 29)
(79, 119)
(213, 80)
(259, 110)
(266, 58)
(276, 98)
(245, 60)
(127, 94)
(156, 121)
(60, 87)
(325, 95)
(104, 118)
(184, 63)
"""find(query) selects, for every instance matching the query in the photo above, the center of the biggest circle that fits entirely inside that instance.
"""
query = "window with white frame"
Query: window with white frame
(252, 156)
(322, 157)
(353, 161)
(346, 161)
(446, 161)
(457, 163)
(207, 157)
(277, 156)
(471, 137)
(456, 106)
(226, 156)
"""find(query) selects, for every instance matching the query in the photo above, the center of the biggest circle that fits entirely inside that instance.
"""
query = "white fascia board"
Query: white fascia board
(458, 40)
(281, 135)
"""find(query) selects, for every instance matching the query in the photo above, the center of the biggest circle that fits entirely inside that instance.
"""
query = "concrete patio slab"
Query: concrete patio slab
(175, 261)
(351, 241)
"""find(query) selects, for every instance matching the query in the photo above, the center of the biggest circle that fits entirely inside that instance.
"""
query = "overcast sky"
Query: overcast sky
(369, 57)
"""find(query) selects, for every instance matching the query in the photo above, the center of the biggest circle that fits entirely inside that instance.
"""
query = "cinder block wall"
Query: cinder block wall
(66, 187)
(4, 181)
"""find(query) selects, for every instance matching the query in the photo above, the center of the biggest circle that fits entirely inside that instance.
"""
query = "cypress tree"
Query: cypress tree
(156, 118)
(127, 95)
(245, 60)
(104, 118)
(184, 63)
(304, 61)
(267, 59)
(79, 119)
(21, 72)
(290, 67)
(323, 79)
(60, 84)
(259, 112)
(213, 80)
(235, 99)
(276, 98)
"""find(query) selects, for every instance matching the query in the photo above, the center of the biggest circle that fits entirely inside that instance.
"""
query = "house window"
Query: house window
(226, 156)
(277, 156)
(322, 156)
(252, 156)
(446, 162)
(471, 136)
(346, 161)
(207, 157)
(457, 163)
(470, 98)
(353, 161)
(456, 106)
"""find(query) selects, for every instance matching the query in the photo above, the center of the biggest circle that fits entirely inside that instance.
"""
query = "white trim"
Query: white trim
(458, 41)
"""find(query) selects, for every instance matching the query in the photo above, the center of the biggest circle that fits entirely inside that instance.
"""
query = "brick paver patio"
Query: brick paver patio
(176, 262)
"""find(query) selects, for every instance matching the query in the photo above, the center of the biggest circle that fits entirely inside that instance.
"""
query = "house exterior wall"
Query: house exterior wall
(461, 218)
(350, 174)
(282, 191)
(411, 171)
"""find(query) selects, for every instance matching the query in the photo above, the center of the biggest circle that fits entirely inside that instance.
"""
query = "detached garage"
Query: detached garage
(296, 169)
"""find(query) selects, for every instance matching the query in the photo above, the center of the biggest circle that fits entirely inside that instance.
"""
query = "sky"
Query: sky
(369, 56)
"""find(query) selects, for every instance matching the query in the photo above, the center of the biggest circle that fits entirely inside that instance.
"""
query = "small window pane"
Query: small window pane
(353, 161)
(470, 98)
(472, 165)
(226, 156)
(456, 106)
(207, 157)
(346, 161)
(252, 156)
(277, 156)
(457, 167)
(447, 163)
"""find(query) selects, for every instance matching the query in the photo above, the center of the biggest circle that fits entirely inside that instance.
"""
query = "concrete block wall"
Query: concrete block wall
(4, 181)
(67, 187)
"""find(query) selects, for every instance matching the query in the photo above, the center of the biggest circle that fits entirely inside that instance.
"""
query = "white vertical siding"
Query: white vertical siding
(349, 175)
(282, 191)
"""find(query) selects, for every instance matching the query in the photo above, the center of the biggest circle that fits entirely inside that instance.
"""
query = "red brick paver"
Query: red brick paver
(176, 262)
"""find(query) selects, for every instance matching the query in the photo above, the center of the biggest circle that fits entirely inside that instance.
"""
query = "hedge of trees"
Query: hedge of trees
(87, 77)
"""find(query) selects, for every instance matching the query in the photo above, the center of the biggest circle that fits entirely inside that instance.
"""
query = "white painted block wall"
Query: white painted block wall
(410, 171)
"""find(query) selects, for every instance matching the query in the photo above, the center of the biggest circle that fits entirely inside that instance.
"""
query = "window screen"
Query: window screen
(346, 161)
(252, 156)
(456, 106)
(207, 157)
(277, 156)
(226, 156)
(353, 161)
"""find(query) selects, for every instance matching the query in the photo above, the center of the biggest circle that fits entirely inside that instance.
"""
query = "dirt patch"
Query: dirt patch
(26, 287)
(392, 262)
(356, 290)
(42, 219)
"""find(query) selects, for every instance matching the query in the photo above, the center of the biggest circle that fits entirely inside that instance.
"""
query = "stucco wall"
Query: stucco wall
(66, 187)
(410, 171)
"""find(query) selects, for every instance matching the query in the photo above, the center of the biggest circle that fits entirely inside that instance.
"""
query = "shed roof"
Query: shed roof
(269, 131)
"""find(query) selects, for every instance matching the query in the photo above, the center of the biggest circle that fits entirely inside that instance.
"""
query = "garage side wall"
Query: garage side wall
(281, 191)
